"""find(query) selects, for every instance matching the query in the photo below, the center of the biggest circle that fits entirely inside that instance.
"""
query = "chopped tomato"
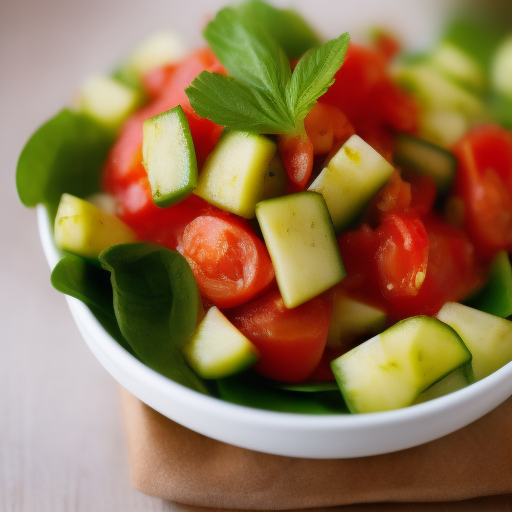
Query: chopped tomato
(290, 341)
(297, 155)
(364, 91)
(123, 165)
(326, 124)
(323, 370)
(484, 184)
(231, 265)
(154, 81)
(386, 44)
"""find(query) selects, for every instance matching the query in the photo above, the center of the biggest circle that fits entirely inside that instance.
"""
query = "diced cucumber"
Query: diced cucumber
(232, 177)
(169, 157)
(302, 245)
(274, 183)
(107, 101)
(496, 297)
(488, 337)
(458, 379)
(458, 65)
(352, 318)
(156, 50)
(437, 92)
(392, 369)
(352, 177)
(426, 158)
(104, 202)
(443, 128)
(83, 229)
(218, 349)
(501, 71)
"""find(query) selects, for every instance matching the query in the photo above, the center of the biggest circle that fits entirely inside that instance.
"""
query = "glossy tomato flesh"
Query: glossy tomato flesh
(290, 341)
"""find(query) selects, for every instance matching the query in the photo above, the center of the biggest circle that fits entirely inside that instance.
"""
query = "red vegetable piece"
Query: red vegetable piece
(297, 154)
(231, 265)
(290, 341)
(484, 183)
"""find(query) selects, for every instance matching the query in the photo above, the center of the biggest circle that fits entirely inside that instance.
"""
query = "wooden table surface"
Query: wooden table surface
(62, 446)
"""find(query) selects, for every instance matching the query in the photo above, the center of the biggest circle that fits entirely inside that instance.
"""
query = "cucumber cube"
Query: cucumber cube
(218, 349)
(458, 379)
(352, 177)
(437, 92)
(107, 101)
(392, 369)
(352, 318)
(488, 337)
(83, 229)
(233, 176)
(169, 157)
(300, 238)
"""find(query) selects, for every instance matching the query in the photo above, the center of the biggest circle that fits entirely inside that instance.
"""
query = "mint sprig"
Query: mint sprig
(261, 95)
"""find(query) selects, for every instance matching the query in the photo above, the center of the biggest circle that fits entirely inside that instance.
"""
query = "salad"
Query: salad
(287, 223)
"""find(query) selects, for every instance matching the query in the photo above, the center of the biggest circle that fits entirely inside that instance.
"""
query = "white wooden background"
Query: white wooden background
(61, 437)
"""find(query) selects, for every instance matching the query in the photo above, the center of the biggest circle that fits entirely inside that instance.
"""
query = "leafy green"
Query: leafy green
(307, 386)
(252, 391)
(314, 74)
(248, 53)
(286, 26)
(156, 303)
(496, 297)
(262, 95)
(235, 105)
(84, 281)
(65, 155)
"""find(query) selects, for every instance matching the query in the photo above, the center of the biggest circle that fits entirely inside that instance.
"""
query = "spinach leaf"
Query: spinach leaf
(156, 304)
(253, 391)
(64, 155)
(307, 386)
(286, 26)
(84, 281)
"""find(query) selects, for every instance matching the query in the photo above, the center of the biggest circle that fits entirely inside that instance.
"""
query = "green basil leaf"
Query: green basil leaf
(286, 26)
(227, 102)
(250, 55)
(155, 302)
(65, 155)
(253, 391)
(314, 74)
(84, 281)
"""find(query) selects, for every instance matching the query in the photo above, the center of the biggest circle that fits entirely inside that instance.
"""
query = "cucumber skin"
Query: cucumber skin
(342, 383)
(168, 199)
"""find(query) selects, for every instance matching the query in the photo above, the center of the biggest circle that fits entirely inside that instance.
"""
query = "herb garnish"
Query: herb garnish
(261, 95)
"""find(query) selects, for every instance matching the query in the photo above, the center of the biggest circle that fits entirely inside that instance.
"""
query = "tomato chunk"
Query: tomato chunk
(297, 154)
(290, 341)
(231, 265)
(484, 183)
(364, 91)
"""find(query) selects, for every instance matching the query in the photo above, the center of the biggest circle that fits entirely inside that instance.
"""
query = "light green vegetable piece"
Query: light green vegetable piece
(218, 349)
(169, 157)
(83, 229)
(488, 337)
(352, 177)
(233, 176)
(300, 238)
(392, 369)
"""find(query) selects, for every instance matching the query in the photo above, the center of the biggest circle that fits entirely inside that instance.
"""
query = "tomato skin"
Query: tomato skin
(297, 153)
(231, 265)
(326, 124)
(123, 165)
(484, 183)
(364, 91)
(291, 341)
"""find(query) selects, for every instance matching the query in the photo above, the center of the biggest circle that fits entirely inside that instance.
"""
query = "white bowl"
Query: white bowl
(295, 435)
